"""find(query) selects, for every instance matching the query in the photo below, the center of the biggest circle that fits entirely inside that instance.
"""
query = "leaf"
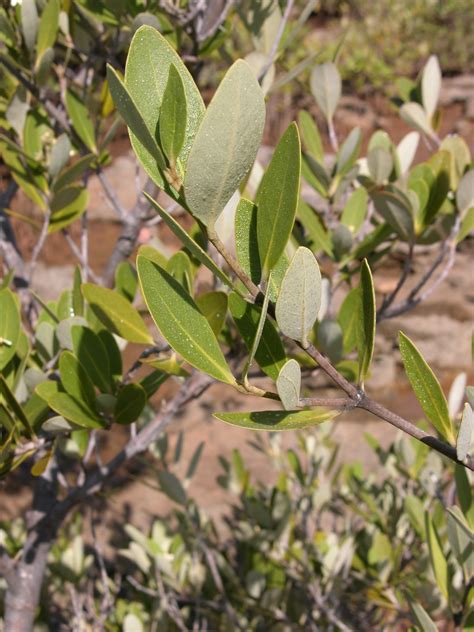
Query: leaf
(431, 85)
(406, 150)
(380, 164)
(29, 22)
(426, 388)
(226, 144)
(310, 135)
(131, 401)
(348, 152)
(289, 384)
(179, 267)
(366, 320)
(41, 464)
(413, 114)
(277, 420)
(187, 241)
(438, 561)
(48, 27)
(246, 245)
(116, 313)
(465, 433)
(330, 339)
(73, 173)
(43, 66)
(326, 86)
(422, 618)
(299, 299)
(180, 321)
(81, 120)
(92, 354)
(213, 305)
(395, 209)
(320, 239)
(74, 411)
(67, 205)
(171, 486)
(9, 327)
(461, 540)
(173, 116)
(126, 281)
(465, 192)
(348, 318)
(355, 210)
(59, 155)
(146, 75)
(75, 380)
(270, 354)
(130, 113)
(277, 199)
(14, 406)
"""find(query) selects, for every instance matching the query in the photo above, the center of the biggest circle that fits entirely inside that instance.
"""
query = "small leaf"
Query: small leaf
(326, 86)
(438, 561)
(9, 327)
(226, 144)
(131, 115)
(59, 155)
(465, 192)
(213, 305)
(81, 120)
(74, 411)
(348, 318)
(355, 210)
(366, 320)
(91, 353)
(431, 85)
(380, 164)
(426, 388)
(48, 27)
(299, 299)
(270, 354)
(310, 135)
(41, 464)
(131, 401)
(29, 22)
(422, 618)
(179, 267)
(75, 380)
(406, 150)
(330, 339)
(413, 114)
(67, 206)
(395, 208)
(277, 199)
(116, 313)
(180, 321)
(246, 244)
(73, 173)
(289, 384)
(466, 433)
(348, 152)
(14, 406)
(171, 486)
(173, 116)
(126, 281)
(277, 420)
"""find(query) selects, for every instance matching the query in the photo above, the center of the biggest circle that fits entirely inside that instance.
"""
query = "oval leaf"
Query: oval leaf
(277, 420)
(431, 85)
(75, 379)
(130, 404)
(326, 85)
(289, 384)
(465, 434)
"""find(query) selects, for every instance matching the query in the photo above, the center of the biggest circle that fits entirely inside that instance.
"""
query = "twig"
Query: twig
(111, 196)
(277, 40)
(232, 263)
(388, 300)
(78, 254)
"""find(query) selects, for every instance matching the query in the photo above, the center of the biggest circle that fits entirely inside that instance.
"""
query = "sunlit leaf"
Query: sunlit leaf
(289, 384)
(276, 420)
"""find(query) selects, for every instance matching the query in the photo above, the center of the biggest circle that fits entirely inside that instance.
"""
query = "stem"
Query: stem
(232, 263)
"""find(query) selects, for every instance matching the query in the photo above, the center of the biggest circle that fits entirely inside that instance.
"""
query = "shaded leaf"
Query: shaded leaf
(131, 401)
(276, 420)
(91, 353)
(81, 120)
(171, 486)
(29, 22)
(213, 305)
(74, 411)
(310, 135)
(438, 560)
(326, 86)
(173, 116)
(355, 210)
(75, 380)
(48, 27)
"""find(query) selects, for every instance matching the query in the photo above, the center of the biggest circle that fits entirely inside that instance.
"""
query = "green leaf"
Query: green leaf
(75, 380)
(348, 152)
(59, 155)
(126, 281)
(81, 120)
(116, 313)
(395, 208)
(465, 434)
(113, 351)
(380, 164)
(277, 420)
(326, 85)
(438, 561)
(313, 225)
(348, 318)
(74, 411)
(465, 493)
(48, 27)
(73, 173)
(226, 144)
(179, 267)
(461, 539)
(426, 388)
(91, 353)
(130, 404)
(299, 299)
(355, 210)
(310, 135)
(130, 113)
(67, 205)
(171, 486)
(14, 406)
(213, 305)
(270, 354)
(29, 22)
(187, 241)
(10, 327)
(366, 320)
(180, 321)
(246, 245)
(173, 116)
(146, 75)
(431, 85)
(289, 384)
(413, 114)
(422, 618)
(277, 199)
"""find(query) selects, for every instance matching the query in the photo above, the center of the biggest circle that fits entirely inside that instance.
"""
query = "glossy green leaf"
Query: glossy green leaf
(126, 280)
(270, 354)
(310, 135)
(67, 206)
(326, 86)
(437, 558)
(426, 388)
(116, 313)
(465, 434)
(81, 119)
(187, 241)
(91, 353)
(299, 299)
(75, 379)
(355, 210)
(29, 22)
(314, 227)
(131, 401)
(366, 320)
(277, 420)
(213, 305)
(173, 116)
(74, 411)
(146, 75)
(289, 384)
(226, 144)
(180, 321)
(277, 199)
(10, 326)
(113, 351)
(431, 85)
(48, 27)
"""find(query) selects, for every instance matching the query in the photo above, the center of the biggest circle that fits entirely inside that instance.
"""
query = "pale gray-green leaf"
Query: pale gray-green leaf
(289, 384)
(465, 192)
(59, 155)
(413, 114)
(29, 22)
(466, 433)
(406, 150)
(380, 164)
(326, 87)
(431, 85)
